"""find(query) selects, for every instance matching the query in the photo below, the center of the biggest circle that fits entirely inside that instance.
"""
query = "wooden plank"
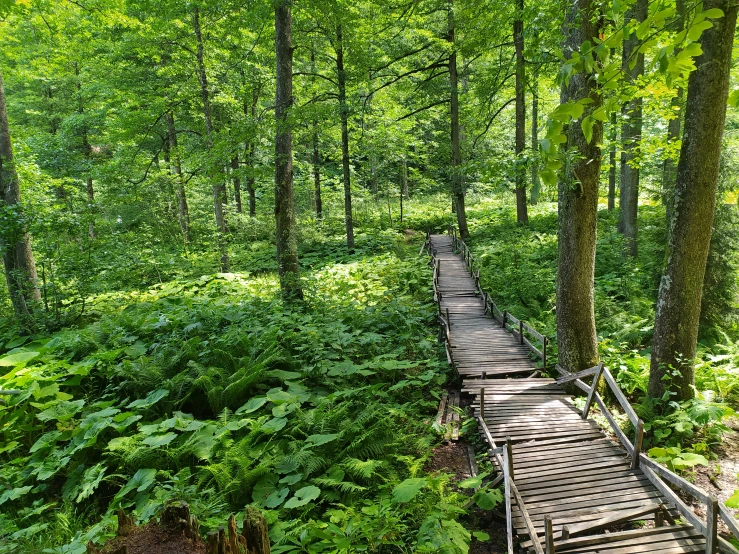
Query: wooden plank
(579, 375)
(615, 518)
(442, 408)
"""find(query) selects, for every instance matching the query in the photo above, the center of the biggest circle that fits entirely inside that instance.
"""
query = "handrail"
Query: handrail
(654, 471)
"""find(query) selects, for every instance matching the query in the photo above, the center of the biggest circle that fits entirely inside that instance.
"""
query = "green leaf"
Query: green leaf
(472, 482)
(713, 13)
(317, 440)
(151, 399)
(587, 128)
(303, 496)
(14, 494)
(140, 481)
(62, 411)
(17, 358)
(734, 98)
(487, 500)
(696, 30)
(408, 489)
(273, 425)
(92, 478)
(155, 441)
(733, 500)
(481, 536)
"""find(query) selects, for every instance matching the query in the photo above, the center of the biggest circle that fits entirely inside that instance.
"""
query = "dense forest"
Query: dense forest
(210, 222)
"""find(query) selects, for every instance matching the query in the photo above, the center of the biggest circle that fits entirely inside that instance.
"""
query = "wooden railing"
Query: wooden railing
(662, 478)
(536, 342)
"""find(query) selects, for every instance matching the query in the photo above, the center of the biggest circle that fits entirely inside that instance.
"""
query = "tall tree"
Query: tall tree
(219, 188)
(183, 211)
(633, 68)
(578, 205)
(535, 182)
(669, 168)
(15, 244)
(456, 170)
(287, 236)
(344, 115)
(678, 304)
(522, 215)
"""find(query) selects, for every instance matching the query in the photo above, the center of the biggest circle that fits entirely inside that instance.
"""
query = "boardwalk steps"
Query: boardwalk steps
(566, 483)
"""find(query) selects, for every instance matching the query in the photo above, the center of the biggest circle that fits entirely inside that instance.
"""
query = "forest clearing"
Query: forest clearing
(426, 276)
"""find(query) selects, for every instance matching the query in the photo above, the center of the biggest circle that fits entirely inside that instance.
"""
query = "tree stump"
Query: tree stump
(255, 532)
(177, 516)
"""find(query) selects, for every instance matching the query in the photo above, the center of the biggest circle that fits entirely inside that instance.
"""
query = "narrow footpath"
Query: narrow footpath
(568, 487)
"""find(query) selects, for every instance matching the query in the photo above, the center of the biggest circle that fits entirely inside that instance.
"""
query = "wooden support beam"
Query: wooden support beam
(549, 535)
(589, 400)
(638, 439)
(712, 514)
(482, 402)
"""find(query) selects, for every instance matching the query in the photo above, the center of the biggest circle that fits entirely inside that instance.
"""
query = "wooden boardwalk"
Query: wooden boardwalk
(568, 487)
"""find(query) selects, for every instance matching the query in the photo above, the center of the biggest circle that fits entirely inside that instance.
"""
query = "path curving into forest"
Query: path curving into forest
(569, 488)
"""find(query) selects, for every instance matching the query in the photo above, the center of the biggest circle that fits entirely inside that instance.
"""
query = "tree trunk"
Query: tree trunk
(344, 113)
(87, 154)
(669, 168)
(612, 166)
(15, 244)
(183, 211)
(578, 208)
(373, 174)
(535, 182)
(457, 184)
(218, 188)
(316, 153)
(631, 133)
(679, 300)
(287, 236)
(251, 155)
(317, 172)
(404, 188)
(237, 182)
(522, 215)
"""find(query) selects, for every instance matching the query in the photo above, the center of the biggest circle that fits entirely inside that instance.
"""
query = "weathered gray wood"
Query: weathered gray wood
(508, 509)
(638, 438)
(594, 387)
(579, 375)
(549, 535)
(620, 516)
(712, 515)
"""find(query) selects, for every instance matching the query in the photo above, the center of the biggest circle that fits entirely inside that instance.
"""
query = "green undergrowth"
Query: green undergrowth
(209, 389)
(518, 266)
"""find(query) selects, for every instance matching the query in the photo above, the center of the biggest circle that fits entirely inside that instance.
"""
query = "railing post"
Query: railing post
(509, 452)
(711, 525)
(505, 316)
(591, 394)
(549, 535)
(638, 439)
(544, 352)
(520, 331)
(448, 321)
(482, 403)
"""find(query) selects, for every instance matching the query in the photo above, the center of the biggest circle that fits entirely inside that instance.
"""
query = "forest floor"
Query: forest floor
(721, 477)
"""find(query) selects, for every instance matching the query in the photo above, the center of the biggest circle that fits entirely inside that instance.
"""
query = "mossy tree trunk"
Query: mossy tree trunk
(287, 236)
(15, 244)
(679, 300)
(522, 214)
(578, 208)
